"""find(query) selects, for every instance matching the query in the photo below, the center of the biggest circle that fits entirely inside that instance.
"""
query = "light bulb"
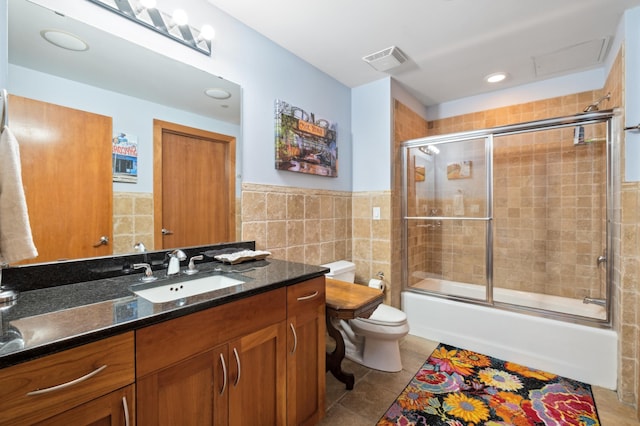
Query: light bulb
(180, 17)
(207, 32)
(496, 77)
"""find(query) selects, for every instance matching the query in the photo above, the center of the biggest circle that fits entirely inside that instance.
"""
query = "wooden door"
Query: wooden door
(194, 186)
(191, 392)
(66, 172)
(257, 392)
(114, 409)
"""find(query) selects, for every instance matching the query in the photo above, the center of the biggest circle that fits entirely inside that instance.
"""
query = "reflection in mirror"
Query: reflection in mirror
(130, 85)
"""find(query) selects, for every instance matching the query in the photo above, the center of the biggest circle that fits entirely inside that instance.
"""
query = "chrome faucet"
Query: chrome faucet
(174, 261)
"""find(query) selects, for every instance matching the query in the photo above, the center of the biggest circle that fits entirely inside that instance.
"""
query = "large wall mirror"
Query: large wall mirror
(136, 89)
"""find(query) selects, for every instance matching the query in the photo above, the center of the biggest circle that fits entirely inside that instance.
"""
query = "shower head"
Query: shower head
(595, 106)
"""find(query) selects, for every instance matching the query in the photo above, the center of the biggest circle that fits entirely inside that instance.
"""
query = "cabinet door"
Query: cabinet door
(257, 392)
(306, 353)
(114, 409)
(191, 392)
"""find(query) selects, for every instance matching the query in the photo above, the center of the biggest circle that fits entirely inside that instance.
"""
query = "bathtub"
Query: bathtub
(580, 352)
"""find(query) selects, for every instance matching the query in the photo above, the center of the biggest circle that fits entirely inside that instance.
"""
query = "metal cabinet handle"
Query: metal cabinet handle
(67, 384)
(295, 338)
(104, 241)
(235, 353)
(166, 232)
(224, 374)
(310, 296)
(125, 408)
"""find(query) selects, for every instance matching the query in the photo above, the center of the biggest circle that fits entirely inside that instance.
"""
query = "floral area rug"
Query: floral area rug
(457, 387)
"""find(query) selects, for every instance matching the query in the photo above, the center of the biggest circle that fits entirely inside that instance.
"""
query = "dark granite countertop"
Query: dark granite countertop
(55, 318)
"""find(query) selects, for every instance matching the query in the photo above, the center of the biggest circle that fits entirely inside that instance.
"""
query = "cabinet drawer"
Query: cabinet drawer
(305, 296)
(38, 389)
(164, 344)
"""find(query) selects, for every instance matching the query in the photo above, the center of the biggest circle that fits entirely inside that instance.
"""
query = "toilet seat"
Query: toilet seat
(386, 315)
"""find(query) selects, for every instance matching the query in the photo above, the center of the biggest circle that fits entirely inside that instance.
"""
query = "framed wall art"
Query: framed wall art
(304, 143)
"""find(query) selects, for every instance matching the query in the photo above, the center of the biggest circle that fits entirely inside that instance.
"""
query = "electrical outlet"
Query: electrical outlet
(376, 213)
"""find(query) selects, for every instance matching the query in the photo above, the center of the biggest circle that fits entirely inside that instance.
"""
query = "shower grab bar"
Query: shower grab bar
(635, 128)
(432, 218)
(4, 120)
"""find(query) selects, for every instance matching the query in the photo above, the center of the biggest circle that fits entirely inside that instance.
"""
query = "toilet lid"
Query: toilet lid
(386, 315)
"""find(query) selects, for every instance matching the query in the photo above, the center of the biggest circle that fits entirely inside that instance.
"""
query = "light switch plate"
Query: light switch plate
(376, 213)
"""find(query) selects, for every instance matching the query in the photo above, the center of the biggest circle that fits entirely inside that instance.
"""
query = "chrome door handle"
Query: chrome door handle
(310, 296)
(295, 338)
(67, 384)
(235, 353)
(224, 374)
(104, 240)
(166, 232)
(125, 408)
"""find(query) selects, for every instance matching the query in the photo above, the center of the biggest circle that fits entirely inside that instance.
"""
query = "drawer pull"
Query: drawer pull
(310, 296)
(235, 353)
(295, 338)
(67, 384)
(224, 375)
(125, 408)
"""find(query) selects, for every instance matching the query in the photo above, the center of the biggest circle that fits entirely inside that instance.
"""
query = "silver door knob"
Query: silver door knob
(104, 240)
(166, 232)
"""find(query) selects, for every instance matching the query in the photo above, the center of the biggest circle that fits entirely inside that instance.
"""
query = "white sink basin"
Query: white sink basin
(169, 292)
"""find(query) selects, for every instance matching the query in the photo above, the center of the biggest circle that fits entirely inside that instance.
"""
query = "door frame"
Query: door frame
(159, 127)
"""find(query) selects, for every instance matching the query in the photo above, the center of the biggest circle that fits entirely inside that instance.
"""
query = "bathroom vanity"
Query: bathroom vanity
(252, 353)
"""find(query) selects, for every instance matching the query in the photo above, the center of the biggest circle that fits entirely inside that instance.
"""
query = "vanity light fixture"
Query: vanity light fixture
(176, 26)
(496, 77)
(64, 40)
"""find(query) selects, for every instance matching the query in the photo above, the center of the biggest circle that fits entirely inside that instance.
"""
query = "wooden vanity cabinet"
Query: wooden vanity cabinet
(306, 352)
(86, 385)
(224, 365)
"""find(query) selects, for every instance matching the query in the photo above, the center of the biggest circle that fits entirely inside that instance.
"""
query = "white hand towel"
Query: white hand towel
(16, 242)
(458, 205)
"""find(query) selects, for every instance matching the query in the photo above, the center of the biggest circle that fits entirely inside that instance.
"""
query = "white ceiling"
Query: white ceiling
(451, 44)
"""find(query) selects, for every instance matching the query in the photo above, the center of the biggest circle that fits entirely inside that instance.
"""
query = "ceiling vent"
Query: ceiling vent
(579, 56)
(386, 59)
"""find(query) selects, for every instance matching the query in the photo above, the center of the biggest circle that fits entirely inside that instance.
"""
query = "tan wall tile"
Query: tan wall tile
(276, 206)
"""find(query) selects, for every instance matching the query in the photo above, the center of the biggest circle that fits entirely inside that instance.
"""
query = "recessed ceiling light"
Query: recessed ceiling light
(64, 40)
(496, 77)
(217, 93)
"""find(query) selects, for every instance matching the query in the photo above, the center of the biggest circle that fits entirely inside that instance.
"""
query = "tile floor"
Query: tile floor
(374, 391)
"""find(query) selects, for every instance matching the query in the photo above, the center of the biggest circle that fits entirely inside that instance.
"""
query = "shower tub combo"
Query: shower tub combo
(508, 243)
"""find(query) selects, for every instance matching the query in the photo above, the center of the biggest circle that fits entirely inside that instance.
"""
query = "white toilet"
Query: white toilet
(373, 341)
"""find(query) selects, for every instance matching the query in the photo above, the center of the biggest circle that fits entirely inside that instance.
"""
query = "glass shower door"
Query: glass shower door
(549, 191)
(448, 217)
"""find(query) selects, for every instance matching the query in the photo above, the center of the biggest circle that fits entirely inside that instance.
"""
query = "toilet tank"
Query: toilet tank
(342, 270)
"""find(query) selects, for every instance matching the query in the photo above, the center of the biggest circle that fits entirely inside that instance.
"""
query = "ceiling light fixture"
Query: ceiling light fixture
(496, 77)
(64, 40)
(217, 93)
(146, 14)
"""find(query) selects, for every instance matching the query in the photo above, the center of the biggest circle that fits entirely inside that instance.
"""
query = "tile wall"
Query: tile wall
(406, 125)
(132, 221)
(298, 225)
